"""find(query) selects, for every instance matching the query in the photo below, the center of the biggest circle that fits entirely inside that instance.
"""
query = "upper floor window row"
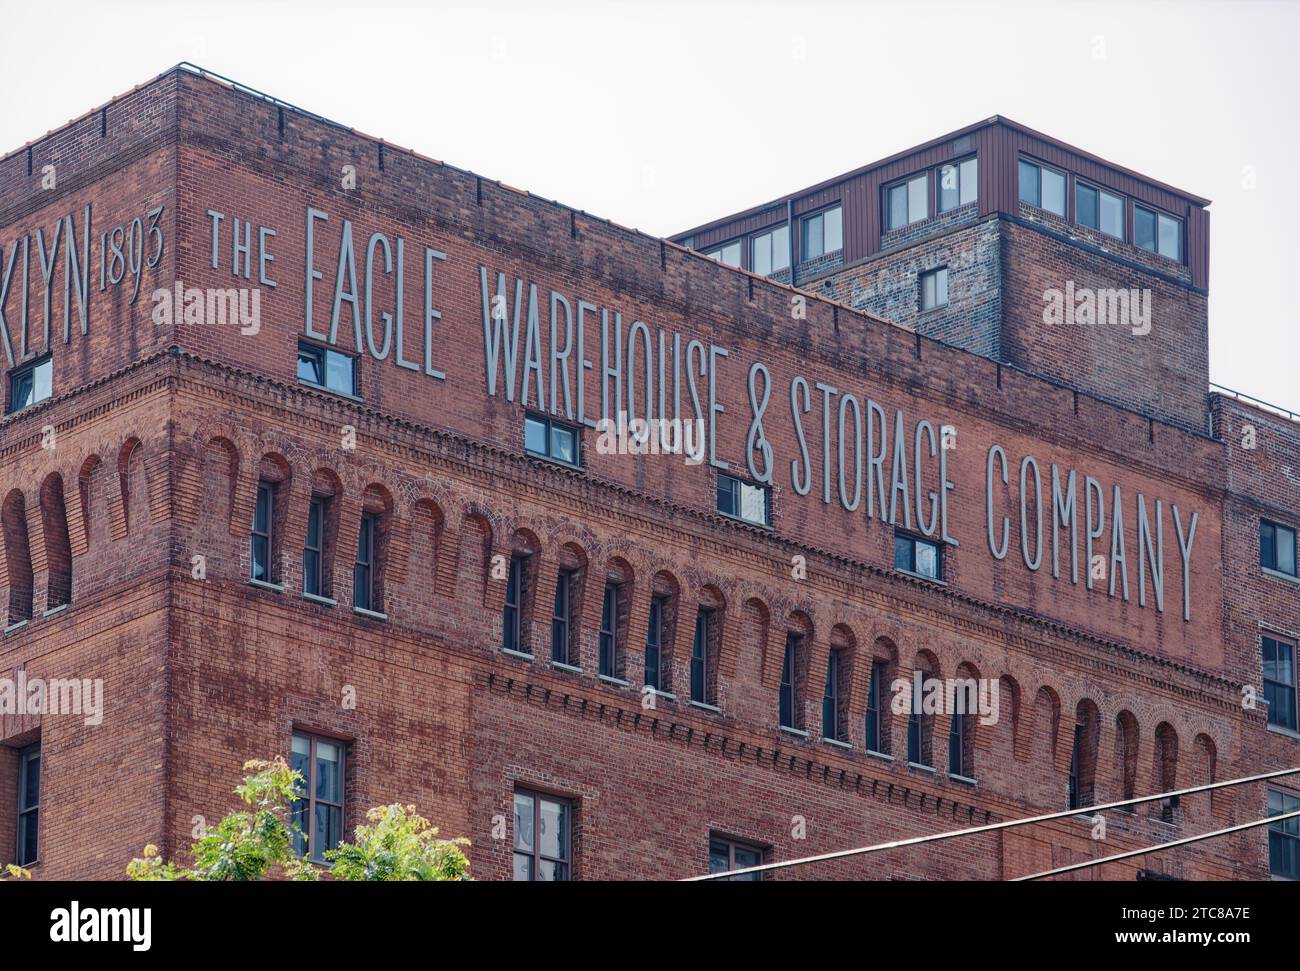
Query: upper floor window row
(770, 251)
(1102, 210)
(728, 253)
(908, 201)
(823, 233)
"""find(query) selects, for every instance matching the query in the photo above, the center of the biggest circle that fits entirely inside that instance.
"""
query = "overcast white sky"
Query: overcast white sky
(662, 115)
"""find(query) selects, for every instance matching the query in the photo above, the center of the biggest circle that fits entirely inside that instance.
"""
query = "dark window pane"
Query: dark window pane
(903, 553)
(897, 206)
(309, 366)
(1029, 183)
(727, 495)
(1267, 547)
(20, 391)
(1144, 228)
(31, 780)
(1085, 206)
(535, 438)
(719, 857)
(329, 780)
(1171, 243)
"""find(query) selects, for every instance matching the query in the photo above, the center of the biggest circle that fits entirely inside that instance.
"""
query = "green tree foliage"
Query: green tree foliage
(256, 842)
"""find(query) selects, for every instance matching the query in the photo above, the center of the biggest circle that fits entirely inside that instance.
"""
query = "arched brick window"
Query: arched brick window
(320, 540)
(706, 646)
(18, 556)
(1126, 755)
(661, 632)
(1083, 757)
(269, 519)
(964, 699)
(1166, 768)
(370, 568)
(58, 548)
(520, 594)
(615, 614)
(793, 694)
(879, 723)
(840, 672)
(920, 723)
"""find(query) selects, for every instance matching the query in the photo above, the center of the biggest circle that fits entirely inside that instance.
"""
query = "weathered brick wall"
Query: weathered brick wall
(1164, 372)
(888, 286)
(443, 719)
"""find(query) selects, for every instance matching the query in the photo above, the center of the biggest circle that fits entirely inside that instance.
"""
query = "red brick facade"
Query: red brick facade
(162, 430)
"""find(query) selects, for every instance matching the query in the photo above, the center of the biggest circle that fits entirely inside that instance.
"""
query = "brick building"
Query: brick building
(301, 455)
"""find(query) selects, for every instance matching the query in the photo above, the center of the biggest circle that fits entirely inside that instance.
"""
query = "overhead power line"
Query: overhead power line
(1267, 820)
(1005, 824)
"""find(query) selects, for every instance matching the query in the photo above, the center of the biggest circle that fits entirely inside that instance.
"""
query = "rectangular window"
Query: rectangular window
(875, 717)
(552, 440)
(325, 368)
(1277, 547)
(770, 251)
(1280, 682)
(1099, 209)
(907, 202)
(609, 632)
(934, 288)
(260, 541)
(785, 699)
(542, 837)
(318, 808)
(700, 658)
(1158, 233)
(743, 500)
(918, 556)
(726, 855)
(314, 549)
(822, 234)
(1284, 837)
(1042, 187)
(654, 644)
(512, 635)
(29, 805)
(958, 184)
(363, 576)
(30, 384)
(831, 698)
(728, 253)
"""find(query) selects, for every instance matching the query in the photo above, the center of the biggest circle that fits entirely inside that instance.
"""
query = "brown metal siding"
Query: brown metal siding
(999, 147)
